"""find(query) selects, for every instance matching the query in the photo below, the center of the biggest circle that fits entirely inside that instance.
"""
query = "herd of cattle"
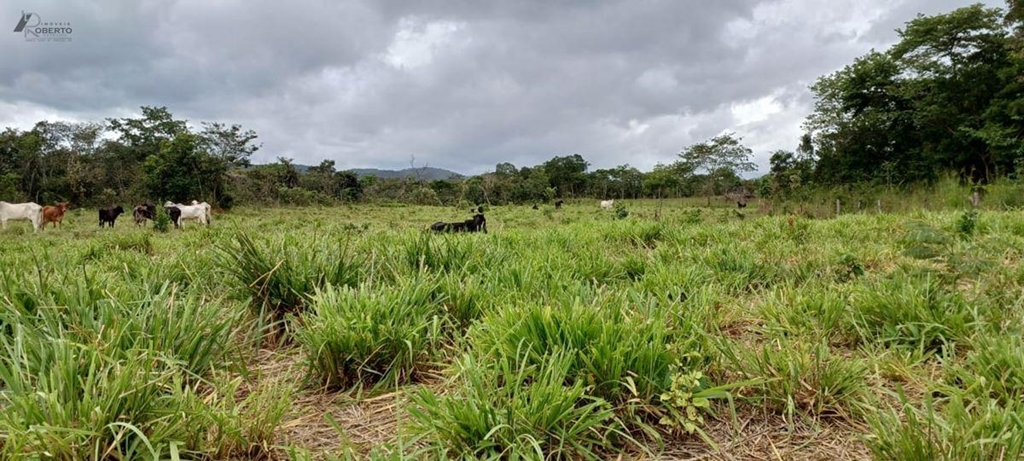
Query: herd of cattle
(40, 216)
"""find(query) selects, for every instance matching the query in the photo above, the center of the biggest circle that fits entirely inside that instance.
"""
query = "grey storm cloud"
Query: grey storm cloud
(456, 84)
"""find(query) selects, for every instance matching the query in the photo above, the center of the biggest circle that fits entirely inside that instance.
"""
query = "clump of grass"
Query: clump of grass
(361, 337)
(74, 401)
(815, 313)
(994, 368)
(442, 255)
(922, 241)
(692, 216)
(514, 406)
(622, 356)
(282, 278)
(228, 427)
(950, 430)
(805, 378)
(463, 299)
(141, 243)
(739, 268)
(639, 234)
(912, 310)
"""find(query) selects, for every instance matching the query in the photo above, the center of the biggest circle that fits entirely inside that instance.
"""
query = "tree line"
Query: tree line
(948, 98)
(156, 157)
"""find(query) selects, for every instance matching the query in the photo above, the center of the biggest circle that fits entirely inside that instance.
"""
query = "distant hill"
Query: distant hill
(426, 173)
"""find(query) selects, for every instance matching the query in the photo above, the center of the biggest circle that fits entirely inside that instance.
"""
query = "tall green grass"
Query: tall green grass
(515, 407)
(361, 337)
(282, 274)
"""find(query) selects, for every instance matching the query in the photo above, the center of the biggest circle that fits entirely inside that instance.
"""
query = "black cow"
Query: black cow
(143, 212)
(109, 215)
(558, 204)
(175, 214)
(477, 224)
(535, 206)
(740, 204)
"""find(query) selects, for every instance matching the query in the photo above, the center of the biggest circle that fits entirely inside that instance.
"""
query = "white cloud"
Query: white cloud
(417, 42)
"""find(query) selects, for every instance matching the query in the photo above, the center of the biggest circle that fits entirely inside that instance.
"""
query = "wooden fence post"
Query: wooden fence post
(837, 207)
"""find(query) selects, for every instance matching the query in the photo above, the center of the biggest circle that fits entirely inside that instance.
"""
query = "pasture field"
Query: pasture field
(350, 333)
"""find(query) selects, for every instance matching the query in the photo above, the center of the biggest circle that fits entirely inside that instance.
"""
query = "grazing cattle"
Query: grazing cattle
(477, 224)
(175, 215)
(535, 206)
(558, 204)
(143, 212)
(21, 211)
(607, 204)
(110, 214)
(198, 211)
(55, 214)
(741, 204)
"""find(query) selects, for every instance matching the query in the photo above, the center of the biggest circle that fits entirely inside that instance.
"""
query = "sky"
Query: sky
(455, 84)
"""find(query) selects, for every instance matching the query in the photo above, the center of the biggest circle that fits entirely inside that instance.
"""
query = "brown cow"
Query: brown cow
(55, 214)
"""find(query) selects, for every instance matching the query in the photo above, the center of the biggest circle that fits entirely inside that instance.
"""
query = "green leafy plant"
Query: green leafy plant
(620, 211)
(967, 223)
(162, 221)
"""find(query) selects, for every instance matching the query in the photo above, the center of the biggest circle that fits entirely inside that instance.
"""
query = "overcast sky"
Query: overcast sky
(457, 84)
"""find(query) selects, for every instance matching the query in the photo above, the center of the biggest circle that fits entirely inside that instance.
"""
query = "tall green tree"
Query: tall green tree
(182, 171)
(717, 157)
(568, 175)
(944, 98)
(231, 144)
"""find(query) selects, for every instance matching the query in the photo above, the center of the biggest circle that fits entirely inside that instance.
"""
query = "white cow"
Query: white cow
(197, 211)
(607, 204)
(18, 211)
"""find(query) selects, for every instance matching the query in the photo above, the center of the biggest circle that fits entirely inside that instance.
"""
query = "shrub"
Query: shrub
(620, 211)
(162, 221)
(966, 223)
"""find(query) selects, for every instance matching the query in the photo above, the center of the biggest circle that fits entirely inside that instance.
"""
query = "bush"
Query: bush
(620, 211)
(966, 223)
(162, 221)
